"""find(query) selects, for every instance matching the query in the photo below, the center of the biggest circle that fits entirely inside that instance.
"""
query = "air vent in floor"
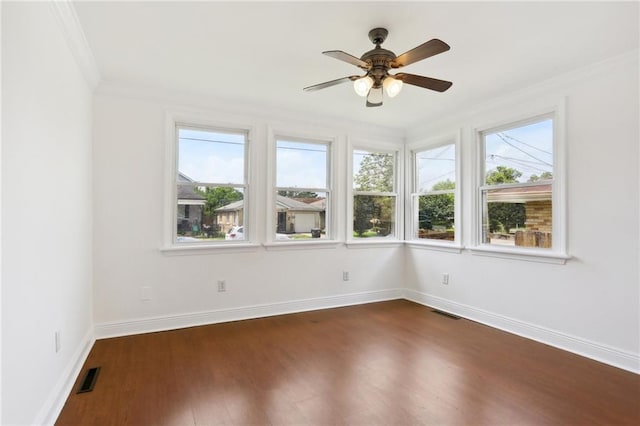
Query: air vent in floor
(89, 380)
(445, 314)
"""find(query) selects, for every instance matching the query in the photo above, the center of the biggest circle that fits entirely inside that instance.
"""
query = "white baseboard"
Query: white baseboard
(58, 395)
(596, 351)
(172, 322)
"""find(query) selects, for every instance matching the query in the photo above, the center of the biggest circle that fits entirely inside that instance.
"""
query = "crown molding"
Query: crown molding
(76, 40)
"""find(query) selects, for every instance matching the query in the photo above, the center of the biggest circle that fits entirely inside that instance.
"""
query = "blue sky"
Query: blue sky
(528, 149)
(202, 161)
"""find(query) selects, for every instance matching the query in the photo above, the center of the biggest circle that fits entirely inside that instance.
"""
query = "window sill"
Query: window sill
(424, 245)
(521, 254)
(373, 243)
(193, 249)
(302, 245)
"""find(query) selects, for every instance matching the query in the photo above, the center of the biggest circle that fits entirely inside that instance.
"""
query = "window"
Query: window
(211, 186)
(517, 185)
(303, 191)
(374, 194)
(433, 198)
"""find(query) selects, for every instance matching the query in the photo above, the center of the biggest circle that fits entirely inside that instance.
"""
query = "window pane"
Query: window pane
(211, 157)
(521, 154)
(435, 216)
(373, 216)
(300, 215)
(436, 169)
(209, 213)
(373, 171)
(520, 216)
(301, 165)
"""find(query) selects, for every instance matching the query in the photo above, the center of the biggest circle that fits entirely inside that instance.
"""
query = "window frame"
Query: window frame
(375, 147)
(558, 251)
(329, 142)
(199, 121)
(411, 238)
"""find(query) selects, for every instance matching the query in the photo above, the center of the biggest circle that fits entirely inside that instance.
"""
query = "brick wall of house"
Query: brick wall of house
(538, 216)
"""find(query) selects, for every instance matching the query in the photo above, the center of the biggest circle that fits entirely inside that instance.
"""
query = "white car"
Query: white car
(237, 233)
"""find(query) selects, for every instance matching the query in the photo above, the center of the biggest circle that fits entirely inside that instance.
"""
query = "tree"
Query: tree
(218, 197)
(437, 209)
(504, 216)
(375, 173)
(503, 174)
(543, 176)
(298, 194)
(372, 211)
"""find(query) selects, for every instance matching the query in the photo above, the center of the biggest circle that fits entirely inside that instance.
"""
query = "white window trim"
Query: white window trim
(331, 240)
(198, 119)
(398, 152)
(558, 253)
(456, 245)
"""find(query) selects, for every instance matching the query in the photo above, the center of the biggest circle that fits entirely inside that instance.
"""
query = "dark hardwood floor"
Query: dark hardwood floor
(389, 363)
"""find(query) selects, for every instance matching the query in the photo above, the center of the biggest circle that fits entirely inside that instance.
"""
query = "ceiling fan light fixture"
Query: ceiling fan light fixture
(392, 86)
(363, 85)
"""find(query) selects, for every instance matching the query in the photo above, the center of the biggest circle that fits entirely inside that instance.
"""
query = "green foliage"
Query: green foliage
(437, 209)
(218, 197)
(543, 176)
(504, 216)
(373, 213)
(376, 173)
(503, 174)
(296, 194)
(443, 185)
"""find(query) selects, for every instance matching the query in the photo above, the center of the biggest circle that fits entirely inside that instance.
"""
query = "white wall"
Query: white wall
(46, 213)
(591, 304)
(129, 194)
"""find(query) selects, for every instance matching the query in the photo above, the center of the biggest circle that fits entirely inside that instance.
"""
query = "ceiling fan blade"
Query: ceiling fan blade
(426, 82)
(425, 50)
(343, 56)
(374, 98)
(331, 83)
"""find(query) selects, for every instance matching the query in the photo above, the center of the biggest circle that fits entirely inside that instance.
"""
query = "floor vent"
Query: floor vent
(446, 314)
(89, 380)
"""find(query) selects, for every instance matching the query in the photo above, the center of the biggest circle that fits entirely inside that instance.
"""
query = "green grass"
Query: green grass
(365, 234)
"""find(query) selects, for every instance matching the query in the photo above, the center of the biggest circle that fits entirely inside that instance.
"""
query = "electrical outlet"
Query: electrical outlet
(345, 275)
(58, 343)
(445, 278)
(222, 286)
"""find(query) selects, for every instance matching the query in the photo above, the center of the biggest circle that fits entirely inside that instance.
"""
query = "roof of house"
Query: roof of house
(520, 194)
(187, 193)
(282, 203)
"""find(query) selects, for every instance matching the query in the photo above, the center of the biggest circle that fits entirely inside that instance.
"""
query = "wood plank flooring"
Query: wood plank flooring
(388, 363)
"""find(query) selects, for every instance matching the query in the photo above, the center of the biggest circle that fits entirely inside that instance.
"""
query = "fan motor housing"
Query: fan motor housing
(380, 60)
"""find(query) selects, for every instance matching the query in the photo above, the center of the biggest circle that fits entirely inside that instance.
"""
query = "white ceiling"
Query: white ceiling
(264, 53)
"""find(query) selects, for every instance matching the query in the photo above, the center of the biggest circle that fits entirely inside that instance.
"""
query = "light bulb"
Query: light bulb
(392, 86)
(362, 85)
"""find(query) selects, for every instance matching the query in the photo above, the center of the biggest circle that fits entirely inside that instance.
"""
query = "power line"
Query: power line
(210, 140)
(521, 150)
(524, 143)
(302, 149)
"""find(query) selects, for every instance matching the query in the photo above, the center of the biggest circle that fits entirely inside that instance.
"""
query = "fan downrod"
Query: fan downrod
(378, 35)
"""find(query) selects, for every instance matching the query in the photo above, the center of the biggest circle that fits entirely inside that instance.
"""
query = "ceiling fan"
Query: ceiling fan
(377, 63)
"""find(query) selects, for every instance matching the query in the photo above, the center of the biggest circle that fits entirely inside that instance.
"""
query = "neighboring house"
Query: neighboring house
(293, 216)
(538, 214)
(230, 215)
(190, 206)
